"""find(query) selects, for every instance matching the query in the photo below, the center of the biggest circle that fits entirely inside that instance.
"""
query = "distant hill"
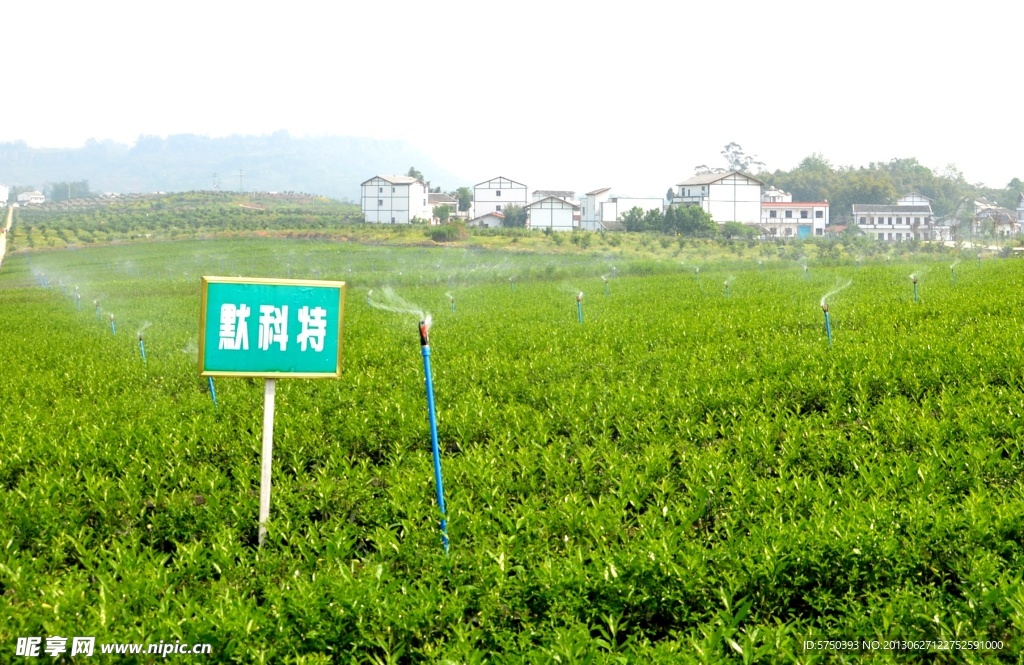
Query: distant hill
(331, 166)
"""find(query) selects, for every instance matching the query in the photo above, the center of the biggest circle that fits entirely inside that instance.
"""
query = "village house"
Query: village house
(496, 194)
(32, 198)
(728, 197)
(781, 217)
(437, 199)
(553, 213)
(910, 218)
(602, 211)
(395, 199)
(490, 220)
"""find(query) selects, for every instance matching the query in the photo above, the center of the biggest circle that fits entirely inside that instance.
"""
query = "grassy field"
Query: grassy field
(687, 475)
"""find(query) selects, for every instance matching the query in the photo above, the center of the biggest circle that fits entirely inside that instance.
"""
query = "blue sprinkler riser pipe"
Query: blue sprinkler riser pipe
(213, 392)
(828, 328)
(113, 328)
(142, 349)
(435, 449)
(915, 291)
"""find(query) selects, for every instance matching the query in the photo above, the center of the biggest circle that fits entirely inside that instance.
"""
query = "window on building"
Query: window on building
(789, 214)
(890, 236)
(819, 232)
(380, 190)
(380, 202)
(803, 214)
(917, 220)
(497, 193)
(773, 214)
(497, 208)
(890, 220)
(392, 220)
(881, 236)
(789, 231)
(820, 214)
(392, 190)
(899, 236)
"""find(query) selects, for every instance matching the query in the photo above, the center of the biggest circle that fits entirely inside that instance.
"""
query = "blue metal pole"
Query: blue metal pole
(579, 307)
(113, 328)
(915, 290)
(435, 449)
(142, 348)
(828, 324)
(453, 305)
(213, 392)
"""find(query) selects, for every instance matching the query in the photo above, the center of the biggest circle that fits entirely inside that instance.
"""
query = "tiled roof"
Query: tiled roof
(871, 208)
(710, 178)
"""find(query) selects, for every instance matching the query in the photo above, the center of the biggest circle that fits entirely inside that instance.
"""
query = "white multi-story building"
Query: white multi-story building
(601, 210)
(496, 194)
(615, 207)
(727, 197)
(395, 199)
(789, 219)
(553, 213)
(31, 197)
(591, 204)
(910, 218)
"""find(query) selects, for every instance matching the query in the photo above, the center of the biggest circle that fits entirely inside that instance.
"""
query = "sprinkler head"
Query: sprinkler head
(914, 279)
(579, 298)
(824, 307)
(424, 332)
(140, 337)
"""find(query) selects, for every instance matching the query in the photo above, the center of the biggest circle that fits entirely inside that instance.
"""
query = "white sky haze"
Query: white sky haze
(557, 95)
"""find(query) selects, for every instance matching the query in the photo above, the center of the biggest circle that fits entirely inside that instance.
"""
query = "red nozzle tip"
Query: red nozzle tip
(424, 331)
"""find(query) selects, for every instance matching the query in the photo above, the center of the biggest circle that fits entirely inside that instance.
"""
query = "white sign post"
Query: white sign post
(247, 328)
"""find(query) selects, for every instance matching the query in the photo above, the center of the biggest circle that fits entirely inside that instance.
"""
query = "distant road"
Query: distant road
(3, 236)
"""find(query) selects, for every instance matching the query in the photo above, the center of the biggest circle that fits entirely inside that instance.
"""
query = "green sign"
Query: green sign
(270, 327)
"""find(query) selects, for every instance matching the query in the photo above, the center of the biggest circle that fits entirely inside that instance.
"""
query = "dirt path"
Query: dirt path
(3, 236)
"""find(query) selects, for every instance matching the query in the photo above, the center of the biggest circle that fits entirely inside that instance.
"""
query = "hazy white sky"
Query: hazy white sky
(558, 95)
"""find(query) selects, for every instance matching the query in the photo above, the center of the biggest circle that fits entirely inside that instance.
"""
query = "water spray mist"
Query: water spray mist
(435, 449)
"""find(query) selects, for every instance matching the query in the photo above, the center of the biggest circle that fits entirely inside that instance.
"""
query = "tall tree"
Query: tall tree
(515, 216)
(465, 196)
(442, 213)
(414, 173)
